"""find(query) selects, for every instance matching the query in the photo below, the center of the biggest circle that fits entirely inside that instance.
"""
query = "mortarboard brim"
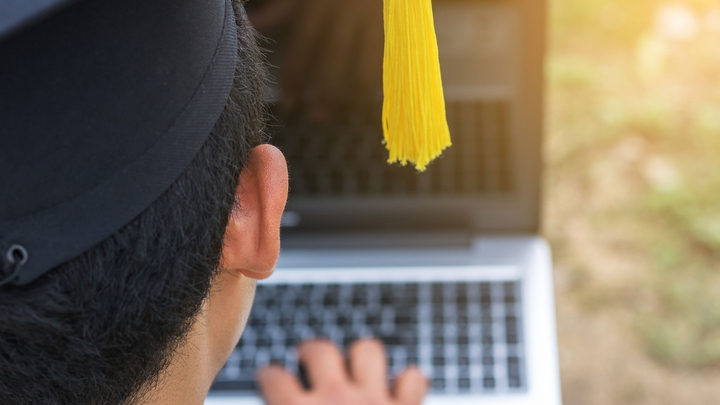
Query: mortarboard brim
(103, 104)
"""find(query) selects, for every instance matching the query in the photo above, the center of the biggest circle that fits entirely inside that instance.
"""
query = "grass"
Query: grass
(634, 125)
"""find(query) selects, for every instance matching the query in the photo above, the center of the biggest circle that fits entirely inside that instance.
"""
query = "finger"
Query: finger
(279, 387)
(368, 365)
(324, 364)
(410, 387)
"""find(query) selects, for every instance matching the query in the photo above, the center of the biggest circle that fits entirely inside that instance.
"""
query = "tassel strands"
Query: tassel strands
(413, 114)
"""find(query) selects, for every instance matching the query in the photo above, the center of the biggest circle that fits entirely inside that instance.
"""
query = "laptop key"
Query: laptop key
(330, 301)
(511, 329)
(513, 365)
(373, 319)
(344, 320)
(390, 340)
(437, 384)
(409, 340)
(247, 363)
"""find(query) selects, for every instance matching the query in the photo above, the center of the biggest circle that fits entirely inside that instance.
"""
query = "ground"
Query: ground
(632, 199)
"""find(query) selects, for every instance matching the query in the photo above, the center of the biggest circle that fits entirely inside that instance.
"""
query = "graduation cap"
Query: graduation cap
(103, 104)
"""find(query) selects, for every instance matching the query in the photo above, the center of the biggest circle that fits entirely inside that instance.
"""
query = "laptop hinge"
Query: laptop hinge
(376, 239)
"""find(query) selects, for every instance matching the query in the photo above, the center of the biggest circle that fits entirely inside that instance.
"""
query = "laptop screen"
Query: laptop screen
(487, 181)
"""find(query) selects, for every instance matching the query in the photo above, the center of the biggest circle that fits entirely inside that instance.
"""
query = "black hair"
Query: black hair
(100, 328)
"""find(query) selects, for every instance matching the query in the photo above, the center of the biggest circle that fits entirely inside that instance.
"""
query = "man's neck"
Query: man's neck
(187, 379)
(215, 333)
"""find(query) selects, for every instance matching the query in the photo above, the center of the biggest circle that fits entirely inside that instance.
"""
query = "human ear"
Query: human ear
(252, 238)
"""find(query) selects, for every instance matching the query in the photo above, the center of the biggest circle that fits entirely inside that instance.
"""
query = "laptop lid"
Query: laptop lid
(491, 55)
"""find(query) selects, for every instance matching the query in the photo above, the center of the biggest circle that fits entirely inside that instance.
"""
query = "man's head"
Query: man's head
(111, 325)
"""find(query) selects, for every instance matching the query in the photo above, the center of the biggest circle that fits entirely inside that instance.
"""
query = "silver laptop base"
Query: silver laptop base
(480, 328)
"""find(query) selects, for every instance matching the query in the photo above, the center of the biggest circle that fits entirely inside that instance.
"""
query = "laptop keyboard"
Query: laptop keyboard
(465, 337)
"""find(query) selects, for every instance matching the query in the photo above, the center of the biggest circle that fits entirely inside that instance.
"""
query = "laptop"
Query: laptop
(445, 266)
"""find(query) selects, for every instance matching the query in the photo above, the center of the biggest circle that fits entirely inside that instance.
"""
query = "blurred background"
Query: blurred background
(631, 186)
(632, 198)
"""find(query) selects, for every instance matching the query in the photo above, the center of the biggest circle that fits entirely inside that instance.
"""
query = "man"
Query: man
(139, 206)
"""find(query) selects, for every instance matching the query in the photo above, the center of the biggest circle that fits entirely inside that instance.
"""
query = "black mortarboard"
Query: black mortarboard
(103, 103)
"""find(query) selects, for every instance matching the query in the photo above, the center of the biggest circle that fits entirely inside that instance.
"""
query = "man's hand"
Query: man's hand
(359, 381)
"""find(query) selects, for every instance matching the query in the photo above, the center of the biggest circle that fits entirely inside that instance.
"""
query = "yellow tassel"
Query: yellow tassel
(413, 115)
